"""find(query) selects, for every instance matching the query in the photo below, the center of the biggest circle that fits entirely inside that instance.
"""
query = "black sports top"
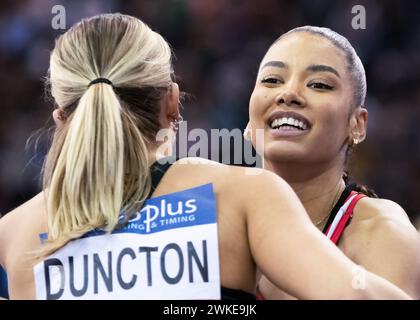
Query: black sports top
(157, 171)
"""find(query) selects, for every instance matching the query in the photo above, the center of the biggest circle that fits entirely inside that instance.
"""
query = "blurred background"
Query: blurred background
(218, 46)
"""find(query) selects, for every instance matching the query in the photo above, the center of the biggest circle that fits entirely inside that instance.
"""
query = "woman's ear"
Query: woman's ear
(59, 118)
(172, 104)
(358, 125)
(169, 111)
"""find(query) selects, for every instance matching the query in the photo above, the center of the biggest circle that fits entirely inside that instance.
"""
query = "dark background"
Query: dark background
(218, 46)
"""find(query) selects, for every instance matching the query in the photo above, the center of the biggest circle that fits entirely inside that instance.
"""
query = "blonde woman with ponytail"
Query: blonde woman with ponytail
(116, 222)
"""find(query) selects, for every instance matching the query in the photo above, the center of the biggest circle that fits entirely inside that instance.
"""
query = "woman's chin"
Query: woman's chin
(284, 152)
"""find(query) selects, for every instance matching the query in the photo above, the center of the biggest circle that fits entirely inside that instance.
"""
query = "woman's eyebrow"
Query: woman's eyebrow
(322, 68)
(311, 68)
(278, 64)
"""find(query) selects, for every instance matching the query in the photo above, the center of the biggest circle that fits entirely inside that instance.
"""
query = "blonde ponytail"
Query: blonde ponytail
(98, 163)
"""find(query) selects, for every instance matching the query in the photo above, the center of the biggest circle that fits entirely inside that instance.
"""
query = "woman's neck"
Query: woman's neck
(318, 186)
(156, 152)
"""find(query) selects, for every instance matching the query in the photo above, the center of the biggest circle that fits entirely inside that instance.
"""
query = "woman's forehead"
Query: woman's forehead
(302, 49)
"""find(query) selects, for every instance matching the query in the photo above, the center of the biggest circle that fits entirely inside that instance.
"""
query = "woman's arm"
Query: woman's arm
(296, 256)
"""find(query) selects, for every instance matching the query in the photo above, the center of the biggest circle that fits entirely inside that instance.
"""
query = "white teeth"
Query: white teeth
(301, 125)
(276, 123)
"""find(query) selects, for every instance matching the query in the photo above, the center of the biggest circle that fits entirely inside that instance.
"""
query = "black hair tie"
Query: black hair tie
(100, 80)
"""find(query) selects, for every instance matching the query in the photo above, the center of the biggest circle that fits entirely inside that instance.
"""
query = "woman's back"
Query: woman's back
(21, 229)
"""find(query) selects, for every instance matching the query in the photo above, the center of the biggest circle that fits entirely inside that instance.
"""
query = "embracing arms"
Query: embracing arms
(296, 256)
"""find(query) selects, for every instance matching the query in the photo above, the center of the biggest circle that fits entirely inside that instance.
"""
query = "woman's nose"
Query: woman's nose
(291, 97)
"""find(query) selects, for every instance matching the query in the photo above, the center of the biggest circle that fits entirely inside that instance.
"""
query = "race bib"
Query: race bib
(168, 250)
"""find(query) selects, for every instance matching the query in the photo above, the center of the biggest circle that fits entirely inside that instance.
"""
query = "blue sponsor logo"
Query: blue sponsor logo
(186, 208)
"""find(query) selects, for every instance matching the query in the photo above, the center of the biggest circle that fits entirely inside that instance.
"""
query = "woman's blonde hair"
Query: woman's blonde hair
(97, 166)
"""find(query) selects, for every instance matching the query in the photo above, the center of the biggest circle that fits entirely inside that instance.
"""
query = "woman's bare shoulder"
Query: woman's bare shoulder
(382, 239)
(35, 203)
(374, 210)
(24, 214)
(380, 221)
(227, 176)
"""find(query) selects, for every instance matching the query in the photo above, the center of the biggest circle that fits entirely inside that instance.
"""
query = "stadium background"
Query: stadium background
(218, 45)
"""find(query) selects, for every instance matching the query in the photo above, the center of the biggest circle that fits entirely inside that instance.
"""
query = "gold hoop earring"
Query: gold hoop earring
(176, 122)
(247, 134)
(355, 141)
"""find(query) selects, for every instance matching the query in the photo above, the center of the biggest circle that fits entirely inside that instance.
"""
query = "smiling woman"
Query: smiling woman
(308, 75)
(309, 98)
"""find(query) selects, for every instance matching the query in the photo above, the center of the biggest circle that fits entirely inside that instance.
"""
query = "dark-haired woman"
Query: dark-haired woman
(309, 101)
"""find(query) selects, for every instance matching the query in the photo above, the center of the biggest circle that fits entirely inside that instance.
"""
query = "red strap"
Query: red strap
(259, 295)
(347, 215)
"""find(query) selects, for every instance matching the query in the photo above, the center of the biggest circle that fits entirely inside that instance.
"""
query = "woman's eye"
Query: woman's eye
(320, 86)
(271, 80)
